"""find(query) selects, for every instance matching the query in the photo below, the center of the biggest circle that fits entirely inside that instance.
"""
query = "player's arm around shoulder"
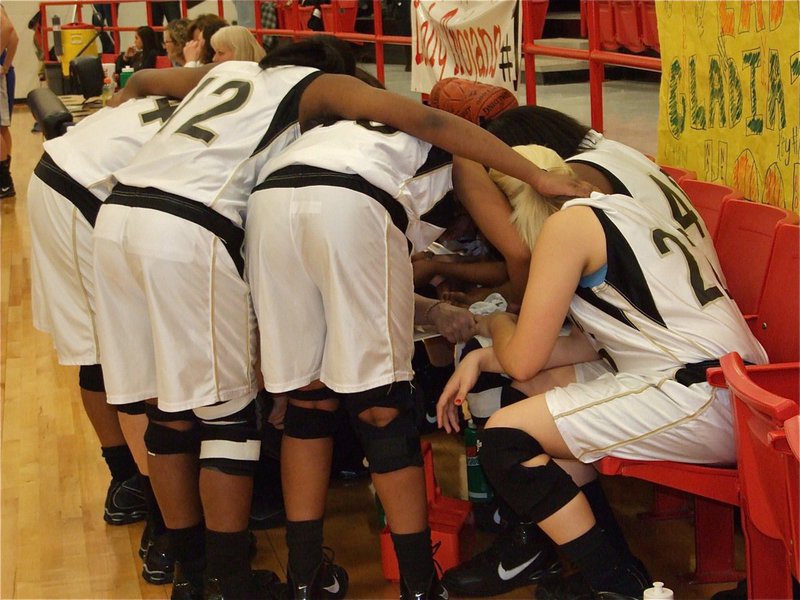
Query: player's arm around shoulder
(175, 82)
(570, 245)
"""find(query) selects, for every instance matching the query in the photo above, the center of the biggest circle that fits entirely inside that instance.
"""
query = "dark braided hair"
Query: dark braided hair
(539, 125)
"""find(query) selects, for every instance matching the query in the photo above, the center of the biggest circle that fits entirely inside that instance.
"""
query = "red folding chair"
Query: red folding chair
(163, 62)
(763, 398)
(707, 199)
(649, 22)
(605, 24)
(627, 26)
(744, 243)
(340, 15)
(678, 174)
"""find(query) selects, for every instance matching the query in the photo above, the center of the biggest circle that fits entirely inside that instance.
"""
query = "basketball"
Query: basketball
(476, 102)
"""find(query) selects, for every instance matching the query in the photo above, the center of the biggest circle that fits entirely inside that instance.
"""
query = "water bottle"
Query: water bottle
(125, 75)
(658, 591)
(57, 46)
(108, 90)
(478, 489)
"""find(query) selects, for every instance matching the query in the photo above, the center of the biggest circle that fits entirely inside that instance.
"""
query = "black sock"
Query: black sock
(414, 558)
(155, 521)
(189, 545)
(120, 462)
(228, 554)
(603, 567)
(605, 517)
(304, 540)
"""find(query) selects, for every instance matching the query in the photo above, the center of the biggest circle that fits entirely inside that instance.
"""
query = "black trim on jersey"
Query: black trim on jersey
(616, 185)
(694, 372)
(287, 113)
(231, 235)
(57, 178)
(298, 176)
(624, 274)
(437, 158)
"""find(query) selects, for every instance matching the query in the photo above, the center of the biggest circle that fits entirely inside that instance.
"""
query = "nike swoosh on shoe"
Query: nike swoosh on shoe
(506, 575)
(334, 587)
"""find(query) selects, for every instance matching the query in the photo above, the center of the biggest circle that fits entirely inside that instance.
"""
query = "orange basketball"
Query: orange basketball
(476, 102)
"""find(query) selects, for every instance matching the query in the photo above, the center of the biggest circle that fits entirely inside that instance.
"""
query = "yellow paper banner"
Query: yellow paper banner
(729, 103)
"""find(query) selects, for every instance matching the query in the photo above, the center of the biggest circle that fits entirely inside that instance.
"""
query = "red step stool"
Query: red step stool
(447, 518)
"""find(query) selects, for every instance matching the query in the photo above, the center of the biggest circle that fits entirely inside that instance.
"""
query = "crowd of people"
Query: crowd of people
(207, 295)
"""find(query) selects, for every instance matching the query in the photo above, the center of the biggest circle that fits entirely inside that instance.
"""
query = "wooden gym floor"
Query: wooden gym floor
(55, 543)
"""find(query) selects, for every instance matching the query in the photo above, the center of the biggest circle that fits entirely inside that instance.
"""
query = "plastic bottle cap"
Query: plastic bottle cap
(658, 591)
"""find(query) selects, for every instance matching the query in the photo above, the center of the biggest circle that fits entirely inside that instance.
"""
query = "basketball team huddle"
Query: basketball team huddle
(241, 226)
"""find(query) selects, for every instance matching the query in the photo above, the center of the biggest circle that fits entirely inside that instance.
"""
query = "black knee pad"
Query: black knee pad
(309, 423)
(161, 439)
(392, 447)
(134, 408)
(231, 444)
(534, 493)
(90, 377)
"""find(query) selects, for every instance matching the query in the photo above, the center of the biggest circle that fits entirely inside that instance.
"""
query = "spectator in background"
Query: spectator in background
(235, 42)
(8, 49)
(143, 53)
(197, 50)
(176, 34)
(164, 11)
(246, 13)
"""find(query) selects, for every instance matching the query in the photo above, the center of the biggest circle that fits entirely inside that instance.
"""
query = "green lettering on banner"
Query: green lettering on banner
(735, 96)
(716, 92)
(755, 124)
(677, 118)
(776, 103)
(698, 110)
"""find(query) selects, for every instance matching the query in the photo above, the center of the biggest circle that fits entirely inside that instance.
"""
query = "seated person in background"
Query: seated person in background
(649, 314)
(176, 34)
(198, 50)
(236, 43)
(142, 55)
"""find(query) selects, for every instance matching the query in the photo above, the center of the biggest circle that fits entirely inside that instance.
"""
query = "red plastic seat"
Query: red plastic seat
(649, 23)
(534, 14)
(744, 243)
(340, 15)
(707, 199)
(605, 24)
(627, 25)
(163, 62)
(763, 398)
(678, 174)
(777, 322)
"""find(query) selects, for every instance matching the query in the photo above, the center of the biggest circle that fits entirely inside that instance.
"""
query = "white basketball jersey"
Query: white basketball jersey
(661, 305)
(413, 172)
(214, 145)
(107, 140)
(633, 174)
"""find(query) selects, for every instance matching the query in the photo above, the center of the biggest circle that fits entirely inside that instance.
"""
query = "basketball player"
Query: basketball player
(170, 279)
(66, 190)
(649, 301)
(328, 263)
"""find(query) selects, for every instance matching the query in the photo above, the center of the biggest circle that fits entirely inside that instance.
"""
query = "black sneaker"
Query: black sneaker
(435, 591)
(514, 559)
(185, 589)
(125, 502)
(575, 587)
(253, 584)
(329, 582)
(159, 562)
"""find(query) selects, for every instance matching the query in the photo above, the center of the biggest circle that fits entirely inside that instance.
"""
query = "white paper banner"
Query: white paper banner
(479, 40)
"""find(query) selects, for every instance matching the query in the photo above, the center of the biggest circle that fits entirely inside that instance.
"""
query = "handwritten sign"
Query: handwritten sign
(729, 94)
(479, 40)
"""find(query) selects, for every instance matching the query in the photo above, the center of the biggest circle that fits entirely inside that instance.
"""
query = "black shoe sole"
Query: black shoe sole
(124, 518)
(157, 577)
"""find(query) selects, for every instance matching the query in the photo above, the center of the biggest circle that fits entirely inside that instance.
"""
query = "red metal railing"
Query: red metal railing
(595, 55)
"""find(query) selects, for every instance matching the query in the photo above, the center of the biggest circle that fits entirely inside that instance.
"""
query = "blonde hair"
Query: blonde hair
(241, 41)
(529, 208)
